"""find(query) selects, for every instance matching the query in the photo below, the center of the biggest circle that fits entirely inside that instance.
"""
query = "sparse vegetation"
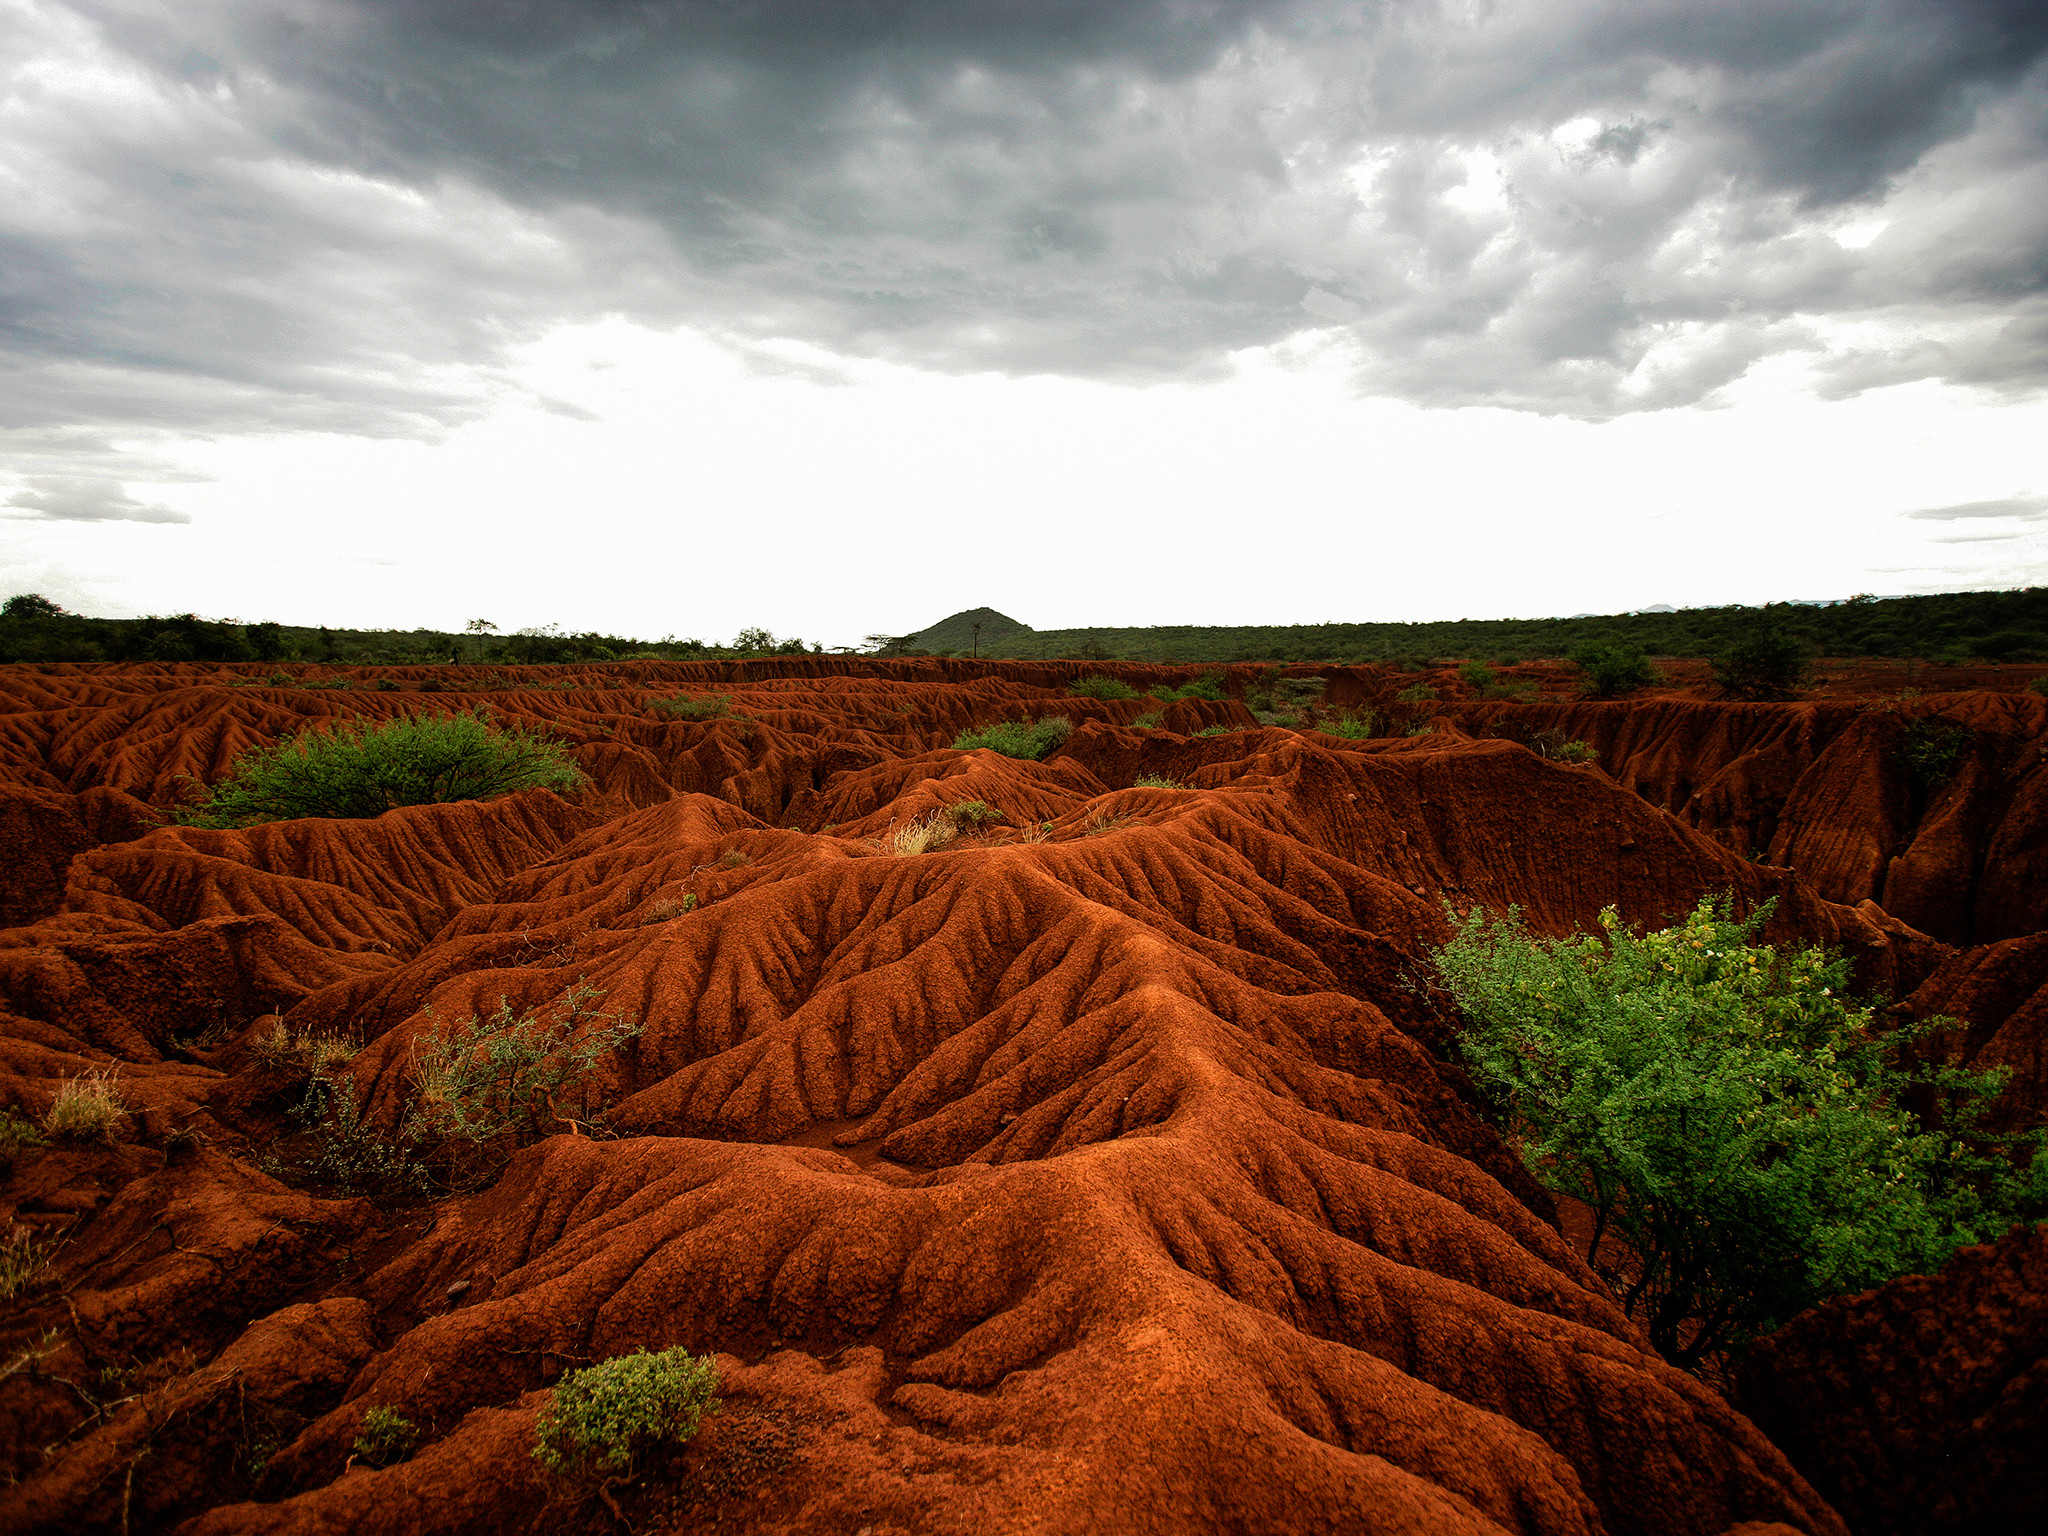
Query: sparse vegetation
(683, 706)
(1613, 668)
(86, 1108)
(386, 1438)
(17, 1133)
(1149, 721)
(1102, 687)
(1156, 781)
(1725, 1109)
(359, 769)
(2040, 685)
(1216, 730)
(1016, 738)
(22, 1261)
(970, 814)
(1477, 676)
(602, 1418)
(1415, 693)
(1208, 686)
(1931, 749)
(922, 834)
(1354, 725)
(669, 908)
(1560, 748)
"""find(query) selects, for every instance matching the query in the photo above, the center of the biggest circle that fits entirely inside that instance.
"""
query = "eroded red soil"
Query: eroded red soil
(1101, 1172)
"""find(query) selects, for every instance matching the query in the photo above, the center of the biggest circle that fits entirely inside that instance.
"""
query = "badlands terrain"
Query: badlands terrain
(1104, 1169)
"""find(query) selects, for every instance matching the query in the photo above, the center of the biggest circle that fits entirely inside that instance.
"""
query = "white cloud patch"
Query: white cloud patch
(88, 499)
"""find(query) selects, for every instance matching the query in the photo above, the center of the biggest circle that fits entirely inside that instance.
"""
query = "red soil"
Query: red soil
(1101, 1172)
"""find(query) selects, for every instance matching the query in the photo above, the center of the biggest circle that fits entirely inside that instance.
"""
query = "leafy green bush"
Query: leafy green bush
(1560, 748)
(1930, 749)
(1415, 693)
(1016, 738)
(2040, 685)
(1216, 730)
(601, 1418)
(1101, 687)
(1208, 686)
(1609, 670)
(1478, 676)
(387, 1437)
(683, 706)
(1149, 721)
(1764, 664)
(1724, 1108)
(361, 769)
(1361, 725)
(969, 814)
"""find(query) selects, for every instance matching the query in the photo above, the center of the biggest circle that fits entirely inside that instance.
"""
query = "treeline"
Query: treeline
(1950, 627)
(32, 628)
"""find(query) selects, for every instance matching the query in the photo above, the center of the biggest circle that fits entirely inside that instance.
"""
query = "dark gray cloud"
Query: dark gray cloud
(331, 214)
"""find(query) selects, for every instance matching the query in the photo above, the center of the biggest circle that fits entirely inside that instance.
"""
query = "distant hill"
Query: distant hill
(1996, 626)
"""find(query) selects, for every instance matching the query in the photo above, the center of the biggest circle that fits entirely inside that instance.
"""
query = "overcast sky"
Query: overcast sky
(842, 315)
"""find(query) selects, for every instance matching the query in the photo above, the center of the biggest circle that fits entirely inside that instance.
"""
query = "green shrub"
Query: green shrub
(1101, 687)
(360, 769)
(1208, 686)
(1930, 749)
(1156, 781)
(503, 1077)
(1016, 738)
(1361, 725)
(1608, 671)
(969, 814)
(387, 1437)
(1216, 730)
(601, 1418)
(682, 706)
(1726, 1110)
(1764, 664)
(1477, 676)
(1560, 748)
(1149, 721)
(1416, 693)
(2040, 685)
(17, 1132)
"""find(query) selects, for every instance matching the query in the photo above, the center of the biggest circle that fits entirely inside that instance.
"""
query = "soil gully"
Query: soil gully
(1186, 1222)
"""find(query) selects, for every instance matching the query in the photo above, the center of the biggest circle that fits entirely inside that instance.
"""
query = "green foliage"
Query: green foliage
(387, 1437)
(1156, 781)
(1361, 725)
(1612, 668)
(1930, 748)
(17, 1133)
(1149, 721)
(350, 1154)
(504, 1077)
(22, 1262)
(1766, 663)
(1415, 693)
(1478, 676)
(1728, 1111)
(1017, 738)
(603, 1417)
(682, 706)
(1208, 686)
(2040, 685)
(361, 769)
(970, 814)
(1102, 687)
(1560, 748)
(1216, 730)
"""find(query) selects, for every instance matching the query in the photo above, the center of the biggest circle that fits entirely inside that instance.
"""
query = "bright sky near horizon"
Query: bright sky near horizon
(674, 318)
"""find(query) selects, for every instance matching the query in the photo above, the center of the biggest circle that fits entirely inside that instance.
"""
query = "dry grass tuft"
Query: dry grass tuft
(86, 1108)
(21, 1260)
(927, 834)
(668, 908)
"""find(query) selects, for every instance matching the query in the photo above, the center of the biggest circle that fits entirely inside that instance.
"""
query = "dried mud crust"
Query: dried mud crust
(1100, 1171)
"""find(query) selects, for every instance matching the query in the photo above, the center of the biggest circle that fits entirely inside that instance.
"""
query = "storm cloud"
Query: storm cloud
(250, 215)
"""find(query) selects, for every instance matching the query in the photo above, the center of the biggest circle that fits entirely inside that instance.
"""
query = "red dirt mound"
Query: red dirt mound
(1098, 1169)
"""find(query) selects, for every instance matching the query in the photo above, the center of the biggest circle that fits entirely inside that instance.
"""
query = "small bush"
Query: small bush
(1149, 721)
(504, 1077)
(1766, 664)
(1416, 693)
(1015, 738)
(601, 1418)
(1728, 1111)
(1931, 749)
(1607, 671)
(1477, 676)
(358, 770)
(682, 706)
(17, 1133)
(1101, 687)
(2040, 685)
(1216, 730)
(1560, 748)
(22, 1260)
(86, 1108)
(387, 1437)
(1362, 725)
(1208, 686)
(669, 908)
(1156, 781)
(969, 814)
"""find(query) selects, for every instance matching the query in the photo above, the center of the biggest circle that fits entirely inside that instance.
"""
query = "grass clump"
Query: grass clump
(1728, 1112)
(1156, 781)
(683, 706)
(1560, 748)
(668, 909)
(359, 769)
(1416, 693)
(22, 1260)
(17, 1134)
(386, 1438)
(1102, 687)
(923, 834)
(1208, 686)
(603, 1417)
(1361, 725)
(1216, 730)
(1149, 721)
(1609, 670)
(86, 1108)
(970, 814)
(1017, 738)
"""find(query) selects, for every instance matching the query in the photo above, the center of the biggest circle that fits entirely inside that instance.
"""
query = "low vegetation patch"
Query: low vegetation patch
(86, 1108)
(1149, 721)
(970, 814)
(1102, 687)
(22, 1262)
(683, 706)
(922, 834)
(601, 1419)
(1726, 1110)
(1560, 748)
(386, 1438)
(17, 1134)
(1607, 670)
(1354, 725)
(1415, 693)
(1765, 664)
(360, 769)
(1931, 749)
(1017, 738)
(1156, 781)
